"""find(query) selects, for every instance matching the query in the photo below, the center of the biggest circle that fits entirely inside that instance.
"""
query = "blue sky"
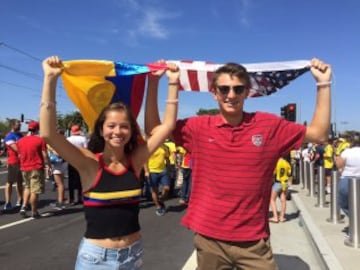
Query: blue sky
(143, 31)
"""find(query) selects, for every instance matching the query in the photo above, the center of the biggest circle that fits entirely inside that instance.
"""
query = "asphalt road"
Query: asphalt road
(52, 241)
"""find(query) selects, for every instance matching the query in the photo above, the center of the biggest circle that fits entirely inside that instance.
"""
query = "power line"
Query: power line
(18, 85)
(59, 95)
(20, 51)
(28, 74)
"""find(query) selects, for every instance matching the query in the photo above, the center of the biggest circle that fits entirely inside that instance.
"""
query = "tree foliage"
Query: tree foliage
(207, 112)
(64, 122)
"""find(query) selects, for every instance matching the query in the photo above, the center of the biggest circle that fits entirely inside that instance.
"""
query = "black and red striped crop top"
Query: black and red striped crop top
(111, 205)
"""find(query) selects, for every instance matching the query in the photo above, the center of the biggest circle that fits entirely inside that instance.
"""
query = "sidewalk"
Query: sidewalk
(328, 238)
(307, 240)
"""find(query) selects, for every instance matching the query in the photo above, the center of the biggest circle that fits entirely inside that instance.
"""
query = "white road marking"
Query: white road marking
(15, 223)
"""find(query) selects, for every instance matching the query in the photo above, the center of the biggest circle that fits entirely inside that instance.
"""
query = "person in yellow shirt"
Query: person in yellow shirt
(158, 177)
(170, 167)
(282, 173)
(328, 157)
(341, 145)
(186, 173)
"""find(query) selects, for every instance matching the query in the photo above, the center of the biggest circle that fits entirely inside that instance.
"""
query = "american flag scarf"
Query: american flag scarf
(266, 78)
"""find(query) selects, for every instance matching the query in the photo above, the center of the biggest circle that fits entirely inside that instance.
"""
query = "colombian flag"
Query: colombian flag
(93, 84)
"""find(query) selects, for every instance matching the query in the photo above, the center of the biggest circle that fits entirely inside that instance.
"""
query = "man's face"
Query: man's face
(17, 127)
(230, 93)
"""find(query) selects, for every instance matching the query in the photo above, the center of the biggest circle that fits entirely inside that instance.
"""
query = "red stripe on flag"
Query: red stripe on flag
(156, 66)
(137, 93)
(192, 76)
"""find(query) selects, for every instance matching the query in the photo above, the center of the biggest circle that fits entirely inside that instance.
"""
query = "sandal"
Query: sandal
(273, 220)
(283, 219)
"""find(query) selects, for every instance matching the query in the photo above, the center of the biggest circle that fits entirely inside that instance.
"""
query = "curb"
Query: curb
(328, 259)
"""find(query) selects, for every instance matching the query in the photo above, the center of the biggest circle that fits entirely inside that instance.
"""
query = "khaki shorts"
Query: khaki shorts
(35, 181)
(213, 254)
(14, 174)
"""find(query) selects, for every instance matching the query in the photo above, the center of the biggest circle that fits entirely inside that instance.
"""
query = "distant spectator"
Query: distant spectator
(348, 164)
(170, 166)
(282, 173)
(59, 169)
(14, 172)
(328, 164)
(33, 157)
(186, 175)
(158, 178)
(79, 140)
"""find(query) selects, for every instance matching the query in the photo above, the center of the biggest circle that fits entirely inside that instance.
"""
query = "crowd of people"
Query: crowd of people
(228, 160)
(330, 155)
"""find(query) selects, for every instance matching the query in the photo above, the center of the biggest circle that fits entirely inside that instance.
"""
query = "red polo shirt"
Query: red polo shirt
(232, 170)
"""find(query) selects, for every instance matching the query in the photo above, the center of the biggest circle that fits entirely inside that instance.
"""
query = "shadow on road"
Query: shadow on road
(285, 262)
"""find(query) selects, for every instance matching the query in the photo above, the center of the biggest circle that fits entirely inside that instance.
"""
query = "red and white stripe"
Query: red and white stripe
(196, 75)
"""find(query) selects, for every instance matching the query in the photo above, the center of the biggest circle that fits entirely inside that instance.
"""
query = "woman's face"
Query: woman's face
(116, 129)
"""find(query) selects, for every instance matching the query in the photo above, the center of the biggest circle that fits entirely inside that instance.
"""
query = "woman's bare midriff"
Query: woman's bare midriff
(117, 242)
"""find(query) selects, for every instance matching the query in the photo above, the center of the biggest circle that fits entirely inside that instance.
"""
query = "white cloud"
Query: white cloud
(148, 20)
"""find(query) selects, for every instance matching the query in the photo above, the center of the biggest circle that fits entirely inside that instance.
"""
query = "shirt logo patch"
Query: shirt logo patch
(257, 140)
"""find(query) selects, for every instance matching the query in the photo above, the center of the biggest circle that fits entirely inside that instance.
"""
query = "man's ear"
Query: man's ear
(215, 96)
(247, 92)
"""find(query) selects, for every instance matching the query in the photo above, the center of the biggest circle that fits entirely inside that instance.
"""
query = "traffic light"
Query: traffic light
(291, 112)
(283, 112)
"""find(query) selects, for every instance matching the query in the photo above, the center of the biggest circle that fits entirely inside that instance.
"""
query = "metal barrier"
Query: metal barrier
(335, 217)
(295, 173)
(301, 172)
(321, 188)
(306, 174)
(311, 180)
(354, 213)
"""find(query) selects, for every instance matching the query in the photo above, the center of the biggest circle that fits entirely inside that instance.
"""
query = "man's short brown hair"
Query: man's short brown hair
(234, 70)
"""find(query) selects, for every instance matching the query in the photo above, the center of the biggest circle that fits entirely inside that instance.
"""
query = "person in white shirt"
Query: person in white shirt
(348, 164)
(76, 138)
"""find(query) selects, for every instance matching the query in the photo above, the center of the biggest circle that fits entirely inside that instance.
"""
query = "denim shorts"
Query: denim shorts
(276, 187)
(159, 179)
(91, 256)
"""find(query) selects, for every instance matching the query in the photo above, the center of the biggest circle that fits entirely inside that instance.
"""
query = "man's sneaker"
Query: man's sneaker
(35, 215)
(182, 202)
(23, 211)
(160, 211)
(18, 203)
(8, 206)
(58, 206)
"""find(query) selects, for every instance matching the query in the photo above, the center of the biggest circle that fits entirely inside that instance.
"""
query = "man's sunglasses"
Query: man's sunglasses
(225, 89)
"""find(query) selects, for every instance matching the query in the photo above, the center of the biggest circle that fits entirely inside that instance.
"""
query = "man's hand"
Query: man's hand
(320, 70)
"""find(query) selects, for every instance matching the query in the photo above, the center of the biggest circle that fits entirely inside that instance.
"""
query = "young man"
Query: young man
(14, 173)
(234, 155)
(76, 138)
(33, 157)
(155, 170)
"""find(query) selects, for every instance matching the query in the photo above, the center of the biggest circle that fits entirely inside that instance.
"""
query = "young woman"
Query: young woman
(109, 171)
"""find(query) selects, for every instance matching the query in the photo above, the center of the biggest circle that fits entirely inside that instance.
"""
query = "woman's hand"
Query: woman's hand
(173, 73)
(52, 66)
